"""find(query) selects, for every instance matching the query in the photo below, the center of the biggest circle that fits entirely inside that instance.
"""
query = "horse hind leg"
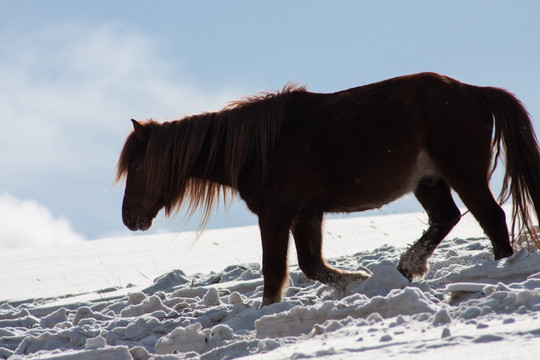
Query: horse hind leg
(436, 199)
(308, 240)
(491, 217)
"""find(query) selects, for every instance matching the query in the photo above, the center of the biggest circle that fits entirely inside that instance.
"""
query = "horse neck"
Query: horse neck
(234, 139)
(210, 163)
(212, 171)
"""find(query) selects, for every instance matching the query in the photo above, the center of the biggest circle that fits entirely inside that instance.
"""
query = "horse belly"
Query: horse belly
(376, 189)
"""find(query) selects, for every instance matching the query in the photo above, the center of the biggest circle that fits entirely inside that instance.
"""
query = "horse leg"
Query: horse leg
(491, 217)
(443, 214)
(308, 240)
(275, 241)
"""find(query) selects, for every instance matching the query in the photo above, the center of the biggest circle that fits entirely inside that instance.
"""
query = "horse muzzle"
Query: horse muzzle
(136, 223)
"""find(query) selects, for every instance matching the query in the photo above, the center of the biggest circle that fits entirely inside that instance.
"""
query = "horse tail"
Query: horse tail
(514, 135)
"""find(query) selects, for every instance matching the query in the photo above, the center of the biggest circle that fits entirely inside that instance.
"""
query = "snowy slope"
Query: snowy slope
(101, 264)
(467, 306)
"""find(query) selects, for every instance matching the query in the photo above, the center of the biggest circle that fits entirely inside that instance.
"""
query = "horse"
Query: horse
(292, 156)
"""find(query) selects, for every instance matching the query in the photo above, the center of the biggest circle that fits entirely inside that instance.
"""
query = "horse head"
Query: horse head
(142, 201)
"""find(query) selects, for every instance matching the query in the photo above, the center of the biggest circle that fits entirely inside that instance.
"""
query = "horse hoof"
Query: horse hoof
(412, 266)
(503, 253)
(406, 274)
(269, 300)
(347, 278)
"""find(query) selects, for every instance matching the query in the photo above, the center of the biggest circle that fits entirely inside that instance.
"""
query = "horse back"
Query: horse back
(363, 147)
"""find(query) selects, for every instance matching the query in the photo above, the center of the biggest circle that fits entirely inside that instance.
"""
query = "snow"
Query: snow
(96, 300)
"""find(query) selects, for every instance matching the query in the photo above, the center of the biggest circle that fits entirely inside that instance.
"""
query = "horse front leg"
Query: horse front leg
(307, 232)
(275, 241)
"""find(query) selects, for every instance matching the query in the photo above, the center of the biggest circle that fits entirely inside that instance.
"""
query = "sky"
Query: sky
(72, 75)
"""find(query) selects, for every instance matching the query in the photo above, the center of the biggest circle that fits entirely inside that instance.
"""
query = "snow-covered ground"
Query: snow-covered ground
(98, 299)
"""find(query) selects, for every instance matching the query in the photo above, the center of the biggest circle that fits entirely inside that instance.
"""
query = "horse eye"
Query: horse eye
(136, 166)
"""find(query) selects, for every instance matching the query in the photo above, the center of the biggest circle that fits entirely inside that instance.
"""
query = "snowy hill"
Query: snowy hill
(99, 300)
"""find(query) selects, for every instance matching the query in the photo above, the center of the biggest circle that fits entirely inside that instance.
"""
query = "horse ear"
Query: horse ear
(138, 128)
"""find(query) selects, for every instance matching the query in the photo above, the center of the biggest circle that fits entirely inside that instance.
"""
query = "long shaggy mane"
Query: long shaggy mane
(244, 131)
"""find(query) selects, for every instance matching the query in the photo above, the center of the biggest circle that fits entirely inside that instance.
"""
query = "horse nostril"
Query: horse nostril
(132, 225)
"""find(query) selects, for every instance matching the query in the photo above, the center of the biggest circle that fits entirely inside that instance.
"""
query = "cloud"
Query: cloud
(67, 91)
(66, 96)
(27, 223)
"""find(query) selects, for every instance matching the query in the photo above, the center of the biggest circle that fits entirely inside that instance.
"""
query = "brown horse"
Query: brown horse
(295, 155)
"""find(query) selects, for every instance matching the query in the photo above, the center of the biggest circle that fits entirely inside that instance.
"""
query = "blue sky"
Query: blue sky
(73, 73)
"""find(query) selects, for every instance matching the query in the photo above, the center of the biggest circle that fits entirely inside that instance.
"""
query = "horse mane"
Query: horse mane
(247, 129)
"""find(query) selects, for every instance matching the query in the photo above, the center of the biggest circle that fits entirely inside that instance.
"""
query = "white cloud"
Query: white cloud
(68, 92)
(66, 96)
(27, 223)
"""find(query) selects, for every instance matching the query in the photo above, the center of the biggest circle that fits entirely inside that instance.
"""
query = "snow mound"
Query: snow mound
(466, 299)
